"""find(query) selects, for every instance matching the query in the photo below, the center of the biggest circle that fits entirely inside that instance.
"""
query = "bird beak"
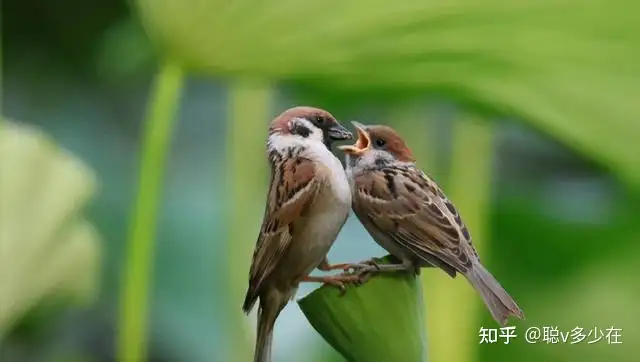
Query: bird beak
(339, 133)
(362, 143)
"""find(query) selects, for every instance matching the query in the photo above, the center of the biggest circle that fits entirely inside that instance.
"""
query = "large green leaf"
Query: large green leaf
(47, 248)
(567, 66)
(381, 320)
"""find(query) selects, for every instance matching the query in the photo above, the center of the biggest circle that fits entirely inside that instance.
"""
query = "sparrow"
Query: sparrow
(406, 213)
(308, 202)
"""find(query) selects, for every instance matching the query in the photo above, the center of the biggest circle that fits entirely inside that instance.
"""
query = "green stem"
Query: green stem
(454, 305)
(415, 124)
(247, 181)
(136, 279)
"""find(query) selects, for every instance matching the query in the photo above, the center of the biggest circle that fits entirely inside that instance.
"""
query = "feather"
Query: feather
(416, 215)
(293, 188)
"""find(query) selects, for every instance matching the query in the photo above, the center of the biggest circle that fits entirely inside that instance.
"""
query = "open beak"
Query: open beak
(362, 143)
(339, 133)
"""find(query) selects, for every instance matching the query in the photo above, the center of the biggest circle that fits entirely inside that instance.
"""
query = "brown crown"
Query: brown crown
(280, 123)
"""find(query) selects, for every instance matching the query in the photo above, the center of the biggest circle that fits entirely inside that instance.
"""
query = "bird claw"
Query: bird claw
(373, 262)
(367, 266)
(362, 274)
(346, 268)
(339, 281)
(352, 268)
(356, 274)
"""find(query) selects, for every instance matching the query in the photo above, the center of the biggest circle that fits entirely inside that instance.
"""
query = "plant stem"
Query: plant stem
(415, 123)
(247, 172)
(454, 305)
(162, 107)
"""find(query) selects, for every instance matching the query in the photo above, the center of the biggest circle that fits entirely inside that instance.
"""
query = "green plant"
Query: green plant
(136, 279)
(47, 247)
(381, 320)
(249, 100)
(566, 67)
(544, 61)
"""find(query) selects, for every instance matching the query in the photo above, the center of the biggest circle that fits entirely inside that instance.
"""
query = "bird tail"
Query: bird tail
(497, 300)
(267, 314)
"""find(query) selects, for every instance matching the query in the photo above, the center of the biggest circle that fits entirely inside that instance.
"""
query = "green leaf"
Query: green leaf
(569, 67)
(124, 37)
(47, 248)
(381, 320)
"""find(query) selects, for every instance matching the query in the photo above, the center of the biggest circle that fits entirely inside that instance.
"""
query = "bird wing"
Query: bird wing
(409, 207)
(295, 183)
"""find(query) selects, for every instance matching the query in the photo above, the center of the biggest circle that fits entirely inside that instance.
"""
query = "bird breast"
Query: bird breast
(333, 204)
(334, 173)
(319, 228)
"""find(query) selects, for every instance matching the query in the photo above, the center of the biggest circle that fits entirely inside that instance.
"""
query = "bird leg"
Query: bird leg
(390, 267)
(373, 266)
(345, 267)
(336, 280)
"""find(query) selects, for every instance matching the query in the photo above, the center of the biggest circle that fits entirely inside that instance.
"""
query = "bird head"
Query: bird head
(376, 143)
(309, 123)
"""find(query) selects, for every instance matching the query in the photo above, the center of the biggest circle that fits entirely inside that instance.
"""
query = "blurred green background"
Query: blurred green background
(526, 113)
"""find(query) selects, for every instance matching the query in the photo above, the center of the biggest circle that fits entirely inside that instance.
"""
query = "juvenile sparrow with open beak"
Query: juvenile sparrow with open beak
(308, 202)
(406, 212)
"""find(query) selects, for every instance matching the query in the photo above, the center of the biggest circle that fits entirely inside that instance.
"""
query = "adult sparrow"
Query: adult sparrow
(308, 202)
(406, 212)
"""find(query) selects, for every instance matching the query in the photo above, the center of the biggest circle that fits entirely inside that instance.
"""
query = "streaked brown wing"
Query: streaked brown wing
(412, 210)
(293, 188)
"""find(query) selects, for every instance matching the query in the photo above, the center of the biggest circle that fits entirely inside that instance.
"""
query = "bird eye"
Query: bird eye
(319, 120)
(380, 142)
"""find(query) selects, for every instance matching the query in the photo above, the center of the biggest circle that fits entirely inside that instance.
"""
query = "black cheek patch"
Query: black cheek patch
(301, 130)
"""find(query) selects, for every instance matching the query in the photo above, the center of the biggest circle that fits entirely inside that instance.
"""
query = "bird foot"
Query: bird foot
(345, 267)
(363, 271)
(337, 281)
(366, 269)
(373, 263)
(362, 267)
